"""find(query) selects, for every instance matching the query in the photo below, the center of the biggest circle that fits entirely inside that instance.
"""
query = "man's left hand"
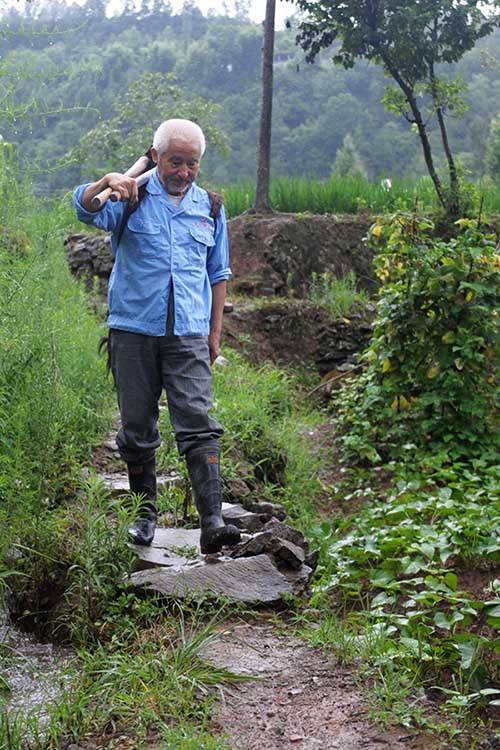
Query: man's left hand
(213, 346)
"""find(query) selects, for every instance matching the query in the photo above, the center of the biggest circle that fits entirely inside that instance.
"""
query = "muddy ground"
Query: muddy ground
(300, 697)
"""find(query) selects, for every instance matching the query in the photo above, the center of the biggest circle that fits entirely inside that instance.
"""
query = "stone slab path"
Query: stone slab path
(298, 697)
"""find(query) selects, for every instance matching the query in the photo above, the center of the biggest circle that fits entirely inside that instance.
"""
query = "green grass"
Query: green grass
(351, 195)
(54, 390)
(339, 296)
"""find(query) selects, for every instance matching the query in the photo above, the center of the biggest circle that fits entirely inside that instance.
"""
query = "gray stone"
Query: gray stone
(243, 519)
(171, 548)
(111, 445)
(283, 531)
(118, 483)
(172, 539)
(283, 551)
(235, 490)
(298, 579)
(266, 510)
(252, 579)
(289, 553)
(262, 542)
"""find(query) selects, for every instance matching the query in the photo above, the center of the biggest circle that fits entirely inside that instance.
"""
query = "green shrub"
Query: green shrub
(430, 372)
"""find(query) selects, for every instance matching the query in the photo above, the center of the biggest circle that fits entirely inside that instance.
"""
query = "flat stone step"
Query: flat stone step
(253, 579)
(170, 548)
(118, 483)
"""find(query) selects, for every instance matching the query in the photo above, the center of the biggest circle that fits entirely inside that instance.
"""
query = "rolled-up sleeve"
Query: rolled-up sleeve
(107, 218)
(218, 255)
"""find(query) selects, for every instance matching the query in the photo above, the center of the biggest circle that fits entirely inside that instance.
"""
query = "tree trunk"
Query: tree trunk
(422, 130)
(262, 202)
(453, 199)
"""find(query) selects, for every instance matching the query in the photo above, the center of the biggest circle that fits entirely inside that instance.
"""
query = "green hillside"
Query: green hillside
(65, 67)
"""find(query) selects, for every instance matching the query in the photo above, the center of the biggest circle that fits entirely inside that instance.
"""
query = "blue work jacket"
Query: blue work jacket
(163, 247)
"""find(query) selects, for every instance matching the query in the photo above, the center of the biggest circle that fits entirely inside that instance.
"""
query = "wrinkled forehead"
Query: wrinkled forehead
(184, 147)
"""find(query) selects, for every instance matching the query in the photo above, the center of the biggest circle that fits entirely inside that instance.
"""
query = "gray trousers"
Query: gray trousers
(142, 366)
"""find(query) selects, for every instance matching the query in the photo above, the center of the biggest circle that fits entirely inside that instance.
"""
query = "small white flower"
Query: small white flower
(386, 184)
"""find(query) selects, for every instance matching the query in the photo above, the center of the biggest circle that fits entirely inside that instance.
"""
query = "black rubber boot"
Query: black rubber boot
(204, 473)
(142, 482)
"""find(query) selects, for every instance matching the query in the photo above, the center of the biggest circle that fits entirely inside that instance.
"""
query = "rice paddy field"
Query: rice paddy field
(355, 194)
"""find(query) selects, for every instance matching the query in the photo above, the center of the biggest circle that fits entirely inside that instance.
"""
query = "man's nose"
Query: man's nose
(183, 170)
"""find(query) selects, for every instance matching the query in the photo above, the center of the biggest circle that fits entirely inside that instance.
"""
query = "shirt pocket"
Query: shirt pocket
(144, 233)
(202, 236)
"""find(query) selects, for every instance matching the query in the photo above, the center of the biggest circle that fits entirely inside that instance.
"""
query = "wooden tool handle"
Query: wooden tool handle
(100, 199)
(136, 170)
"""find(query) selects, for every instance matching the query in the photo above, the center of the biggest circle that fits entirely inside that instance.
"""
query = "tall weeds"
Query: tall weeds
(52, 387)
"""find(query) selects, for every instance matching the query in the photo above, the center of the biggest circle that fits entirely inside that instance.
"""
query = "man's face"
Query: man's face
(178, 166)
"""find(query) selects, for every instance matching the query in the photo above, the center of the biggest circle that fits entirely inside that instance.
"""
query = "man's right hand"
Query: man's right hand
(123, 186)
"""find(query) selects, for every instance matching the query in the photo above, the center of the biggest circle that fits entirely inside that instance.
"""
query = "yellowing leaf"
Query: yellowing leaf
(432, 372)
(386, 365)
(400, 402)
(377, 230)
(448, 338)
(459, 364)
(403, 403)
(346, 320)
(491, 379)
(469, 295)
(466, 223)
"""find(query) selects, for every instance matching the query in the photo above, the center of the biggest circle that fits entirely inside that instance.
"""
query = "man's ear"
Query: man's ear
(154, 155)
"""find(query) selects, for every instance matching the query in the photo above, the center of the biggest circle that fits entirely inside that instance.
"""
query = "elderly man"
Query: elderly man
(166, 299)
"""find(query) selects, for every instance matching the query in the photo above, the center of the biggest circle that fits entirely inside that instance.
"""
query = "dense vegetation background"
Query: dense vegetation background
(65, 68)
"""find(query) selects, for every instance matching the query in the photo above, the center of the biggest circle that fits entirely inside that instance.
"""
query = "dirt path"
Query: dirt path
(300, 699)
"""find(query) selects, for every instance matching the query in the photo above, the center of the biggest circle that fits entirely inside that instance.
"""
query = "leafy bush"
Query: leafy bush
(430, 372)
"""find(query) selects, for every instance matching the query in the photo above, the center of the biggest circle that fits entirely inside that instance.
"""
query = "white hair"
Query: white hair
(175, 129)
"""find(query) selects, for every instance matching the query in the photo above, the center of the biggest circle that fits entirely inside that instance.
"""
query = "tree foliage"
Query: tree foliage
(116, 143)
(64, 67)
(410, 39)
(348, 161)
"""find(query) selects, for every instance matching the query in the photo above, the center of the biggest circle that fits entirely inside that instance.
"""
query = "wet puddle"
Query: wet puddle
(33, 676)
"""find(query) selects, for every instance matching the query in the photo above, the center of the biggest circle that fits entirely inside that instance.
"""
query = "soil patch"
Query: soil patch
(296, 333)
(278, 254)
(300, 698)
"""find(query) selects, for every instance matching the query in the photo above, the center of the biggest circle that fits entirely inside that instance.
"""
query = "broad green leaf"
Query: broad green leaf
(492, 609)
(441, 621)
(468, 651)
